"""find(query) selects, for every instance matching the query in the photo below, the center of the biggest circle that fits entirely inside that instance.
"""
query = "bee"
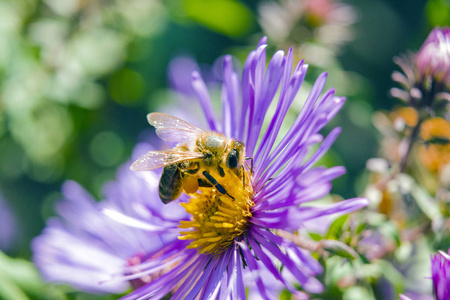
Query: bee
(192, 163)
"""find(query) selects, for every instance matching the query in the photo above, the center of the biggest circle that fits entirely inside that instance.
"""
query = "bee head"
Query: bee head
(235, 156)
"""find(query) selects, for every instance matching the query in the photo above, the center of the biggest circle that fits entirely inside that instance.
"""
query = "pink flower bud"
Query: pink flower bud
(433, 59)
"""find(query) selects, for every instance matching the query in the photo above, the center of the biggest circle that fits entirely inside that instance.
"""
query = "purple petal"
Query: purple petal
(205, 100)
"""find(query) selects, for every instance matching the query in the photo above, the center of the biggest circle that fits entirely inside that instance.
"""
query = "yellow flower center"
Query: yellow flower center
(435, 155)
(217, 219)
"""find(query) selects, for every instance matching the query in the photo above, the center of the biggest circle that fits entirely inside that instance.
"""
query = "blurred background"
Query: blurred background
(78, 77)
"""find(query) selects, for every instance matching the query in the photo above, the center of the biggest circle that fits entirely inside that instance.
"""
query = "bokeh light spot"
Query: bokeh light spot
(11, 158)
(126, 86)
(46, 171)
(106, 148)
(360, 113)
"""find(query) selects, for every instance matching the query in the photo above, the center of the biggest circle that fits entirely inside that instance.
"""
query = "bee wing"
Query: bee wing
(157, 159)
(173, 129)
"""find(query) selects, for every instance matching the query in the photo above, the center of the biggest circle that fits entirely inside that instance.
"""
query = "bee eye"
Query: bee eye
(232, 159)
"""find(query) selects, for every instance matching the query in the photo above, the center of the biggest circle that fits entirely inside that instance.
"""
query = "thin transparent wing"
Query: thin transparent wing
(157, 159)
(173, 129)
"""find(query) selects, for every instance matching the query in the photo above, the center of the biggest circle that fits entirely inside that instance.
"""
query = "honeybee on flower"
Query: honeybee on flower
(199, 158)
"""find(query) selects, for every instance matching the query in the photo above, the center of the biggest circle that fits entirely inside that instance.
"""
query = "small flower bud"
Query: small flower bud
(433, 59)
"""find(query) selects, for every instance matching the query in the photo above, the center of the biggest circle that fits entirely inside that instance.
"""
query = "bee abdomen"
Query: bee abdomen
(170, 185)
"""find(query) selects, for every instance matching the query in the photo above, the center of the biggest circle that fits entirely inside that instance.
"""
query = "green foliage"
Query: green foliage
(229, 17)
(338, 248)
(438, 12)
(19, 280)
(335, 229)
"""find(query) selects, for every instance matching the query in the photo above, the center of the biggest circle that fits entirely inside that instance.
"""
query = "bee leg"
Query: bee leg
(251, 163)
(216, 184)
(190, 167)
(204, 183)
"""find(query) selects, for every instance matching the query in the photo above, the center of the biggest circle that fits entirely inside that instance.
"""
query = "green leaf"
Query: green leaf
(335, 229)
(19, 280)
(357, 293)
(315, 236)
(360, 228)
(285, 295)
(390, 230)
(338, 248)
(229, 17)
(427, 204)
(9, 290)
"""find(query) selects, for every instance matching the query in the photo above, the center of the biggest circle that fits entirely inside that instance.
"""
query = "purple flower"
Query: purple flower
(433, 59)
(87, 248)
(440, 274)
(415, 296)
(8, 226)
(228, 240)
(178, 74)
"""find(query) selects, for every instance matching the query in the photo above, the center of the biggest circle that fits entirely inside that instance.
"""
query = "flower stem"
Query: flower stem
(299, 241)
(330, 246)
(412, 139)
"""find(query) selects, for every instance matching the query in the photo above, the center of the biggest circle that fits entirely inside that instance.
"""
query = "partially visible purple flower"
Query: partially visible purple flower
(178, 72)
(433, 58)
(415, 296)
(440, 274)
(179, 77)
(403, 297)
(181, 68)
(87, 249)
(8, 226)
(374, 244)
(209, 262)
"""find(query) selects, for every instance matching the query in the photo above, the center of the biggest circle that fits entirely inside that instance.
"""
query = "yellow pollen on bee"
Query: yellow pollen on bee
(217, 219)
